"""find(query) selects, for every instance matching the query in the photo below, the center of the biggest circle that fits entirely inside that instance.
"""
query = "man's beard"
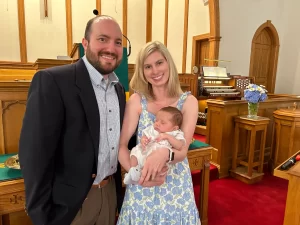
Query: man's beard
(94, 61)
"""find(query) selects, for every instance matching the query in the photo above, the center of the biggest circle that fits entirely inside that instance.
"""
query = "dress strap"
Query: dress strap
(182, 99)
(144, 103)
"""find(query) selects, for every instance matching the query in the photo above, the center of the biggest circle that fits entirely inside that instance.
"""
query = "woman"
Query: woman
(156, 85)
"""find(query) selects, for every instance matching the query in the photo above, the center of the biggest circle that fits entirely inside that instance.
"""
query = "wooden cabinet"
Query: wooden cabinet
(13, 95)
(12, 202)
(189, 83)
(292, 207)
(286, 134)
(220, 127)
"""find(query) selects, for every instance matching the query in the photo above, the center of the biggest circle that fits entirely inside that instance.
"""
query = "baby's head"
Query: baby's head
(168, 119)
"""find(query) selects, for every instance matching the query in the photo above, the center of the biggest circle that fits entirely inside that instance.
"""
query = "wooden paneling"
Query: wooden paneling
(69, 26)
(12, 200)
(166, 22)
(214, 15)
(200, 50)
(13, 97)
(98, 6)
(191, 80)
(149, 20)
(292, 207)
(286, 134)
(15, 65)
(185, 33)
(213, 4)
(220, 126)
(16, 74)
(125, 12)
(22, 31)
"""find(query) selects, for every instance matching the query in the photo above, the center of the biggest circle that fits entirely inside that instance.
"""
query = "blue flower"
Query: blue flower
(254, 93)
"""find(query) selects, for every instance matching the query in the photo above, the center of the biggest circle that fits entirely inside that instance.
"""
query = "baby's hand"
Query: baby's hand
(161, 137)
(145, 141)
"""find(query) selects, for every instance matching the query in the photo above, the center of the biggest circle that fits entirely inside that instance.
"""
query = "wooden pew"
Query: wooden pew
(292, 207)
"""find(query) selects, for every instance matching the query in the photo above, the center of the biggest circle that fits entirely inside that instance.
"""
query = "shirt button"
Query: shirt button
(98, 85)
(109, 110)
(112, 148)
(110, 129)
(112, 167)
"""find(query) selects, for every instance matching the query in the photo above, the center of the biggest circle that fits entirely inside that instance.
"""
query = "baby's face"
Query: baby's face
(163, 122)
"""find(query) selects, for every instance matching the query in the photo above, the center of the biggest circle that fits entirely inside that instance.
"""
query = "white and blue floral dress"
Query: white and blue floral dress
(172, 203)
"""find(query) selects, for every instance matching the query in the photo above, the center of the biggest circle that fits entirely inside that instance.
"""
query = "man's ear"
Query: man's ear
(85, 43)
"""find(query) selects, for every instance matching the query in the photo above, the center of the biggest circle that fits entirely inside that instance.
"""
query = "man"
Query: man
(70, 136)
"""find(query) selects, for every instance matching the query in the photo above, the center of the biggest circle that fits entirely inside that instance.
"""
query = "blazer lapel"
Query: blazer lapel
(89, 102)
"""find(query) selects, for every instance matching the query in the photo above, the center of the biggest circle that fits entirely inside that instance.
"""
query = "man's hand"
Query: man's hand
(145, 141)
(154, 164)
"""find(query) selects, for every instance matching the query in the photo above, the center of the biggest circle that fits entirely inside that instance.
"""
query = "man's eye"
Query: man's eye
(119, 43)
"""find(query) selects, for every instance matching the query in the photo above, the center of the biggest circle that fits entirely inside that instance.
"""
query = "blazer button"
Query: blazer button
(93, 175)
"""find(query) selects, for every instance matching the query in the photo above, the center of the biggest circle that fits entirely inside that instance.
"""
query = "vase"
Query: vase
(252, 110)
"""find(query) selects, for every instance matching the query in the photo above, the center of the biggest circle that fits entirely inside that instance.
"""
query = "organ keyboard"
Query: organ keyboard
(215, 82)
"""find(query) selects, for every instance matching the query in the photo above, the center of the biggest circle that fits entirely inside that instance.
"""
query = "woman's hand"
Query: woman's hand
(158, 180)
(154, 164)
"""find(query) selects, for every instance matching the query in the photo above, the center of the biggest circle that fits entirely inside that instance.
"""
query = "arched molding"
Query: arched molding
(271, 28)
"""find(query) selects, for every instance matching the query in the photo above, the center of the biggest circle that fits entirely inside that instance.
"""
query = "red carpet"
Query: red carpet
(200, 137)
(232, 202)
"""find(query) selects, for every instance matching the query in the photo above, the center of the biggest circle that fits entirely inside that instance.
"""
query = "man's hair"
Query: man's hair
(88, 28)
(177, 116)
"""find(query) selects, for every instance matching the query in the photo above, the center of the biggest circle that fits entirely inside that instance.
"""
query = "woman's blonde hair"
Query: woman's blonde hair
(139, 83)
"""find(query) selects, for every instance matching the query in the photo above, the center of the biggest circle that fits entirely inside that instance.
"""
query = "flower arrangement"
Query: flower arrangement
(255, 93)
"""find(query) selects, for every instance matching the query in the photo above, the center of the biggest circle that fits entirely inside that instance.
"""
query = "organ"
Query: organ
(216, 82)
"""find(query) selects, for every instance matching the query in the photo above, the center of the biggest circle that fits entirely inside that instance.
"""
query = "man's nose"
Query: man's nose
(111, 47)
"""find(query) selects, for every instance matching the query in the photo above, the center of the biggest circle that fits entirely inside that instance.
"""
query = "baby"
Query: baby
(164, 133)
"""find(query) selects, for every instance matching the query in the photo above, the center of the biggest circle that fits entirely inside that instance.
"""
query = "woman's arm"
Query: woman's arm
(156, 160)
(190, 116)
(130, 122)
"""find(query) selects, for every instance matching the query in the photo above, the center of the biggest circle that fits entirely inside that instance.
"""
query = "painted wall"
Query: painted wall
(47, 37)
(238, 24)
(9, 38)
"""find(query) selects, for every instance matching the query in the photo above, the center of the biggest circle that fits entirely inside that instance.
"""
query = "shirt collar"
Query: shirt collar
(97, 77)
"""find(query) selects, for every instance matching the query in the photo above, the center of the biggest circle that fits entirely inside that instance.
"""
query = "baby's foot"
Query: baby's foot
(133, 176)
(135, 173)
(127, 179)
